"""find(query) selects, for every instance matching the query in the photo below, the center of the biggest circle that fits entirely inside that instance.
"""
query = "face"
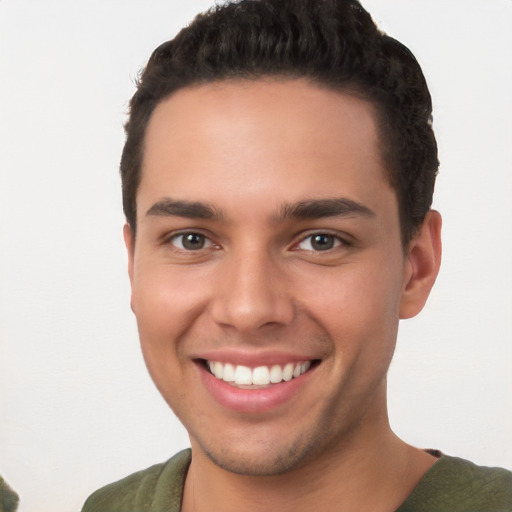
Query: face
(268, 272)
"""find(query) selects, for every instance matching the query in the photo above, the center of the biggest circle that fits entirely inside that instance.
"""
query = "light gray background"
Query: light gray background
(77, 407)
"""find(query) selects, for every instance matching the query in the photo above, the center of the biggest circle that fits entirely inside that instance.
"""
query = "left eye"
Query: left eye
(319, 242)
(191, 241)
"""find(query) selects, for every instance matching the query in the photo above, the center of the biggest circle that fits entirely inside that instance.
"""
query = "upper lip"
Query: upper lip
(253, 359)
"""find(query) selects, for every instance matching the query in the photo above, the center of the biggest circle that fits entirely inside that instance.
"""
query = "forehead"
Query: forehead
(279, 140)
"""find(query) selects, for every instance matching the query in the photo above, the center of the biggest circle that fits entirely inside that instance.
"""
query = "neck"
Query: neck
(370, 457)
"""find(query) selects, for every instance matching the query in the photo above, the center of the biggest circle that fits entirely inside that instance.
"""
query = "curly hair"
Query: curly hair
(332, 43)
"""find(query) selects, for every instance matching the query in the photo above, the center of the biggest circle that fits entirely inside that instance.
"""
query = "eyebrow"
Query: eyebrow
(188, 209)
(320, 208)
(305, 210)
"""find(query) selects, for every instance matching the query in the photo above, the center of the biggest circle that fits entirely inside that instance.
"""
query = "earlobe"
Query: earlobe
(422, 261)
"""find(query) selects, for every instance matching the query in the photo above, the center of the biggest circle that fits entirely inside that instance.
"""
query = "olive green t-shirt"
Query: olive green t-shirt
(451, 485)
(8, 498)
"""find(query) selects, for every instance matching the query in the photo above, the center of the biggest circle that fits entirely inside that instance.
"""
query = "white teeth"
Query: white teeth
(276, 374)
(259, 376)
(229, 373)
(218, 370)
(243, 375)
(288, 372)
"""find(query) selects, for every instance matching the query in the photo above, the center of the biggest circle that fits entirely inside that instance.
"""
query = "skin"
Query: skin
(254, 286)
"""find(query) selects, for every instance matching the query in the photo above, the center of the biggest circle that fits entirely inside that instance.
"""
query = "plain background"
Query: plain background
(78, 409)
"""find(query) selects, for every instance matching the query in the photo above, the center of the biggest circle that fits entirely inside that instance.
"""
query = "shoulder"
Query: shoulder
(8, 498)
(458, 485)
(455, 474)
(157, 488)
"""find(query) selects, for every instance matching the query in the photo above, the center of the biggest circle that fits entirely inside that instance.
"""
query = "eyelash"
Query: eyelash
(333, 240)
(181, 236)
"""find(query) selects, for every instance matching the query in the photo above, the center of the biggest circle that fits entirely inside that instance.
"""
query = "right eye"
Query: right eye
(190, 241)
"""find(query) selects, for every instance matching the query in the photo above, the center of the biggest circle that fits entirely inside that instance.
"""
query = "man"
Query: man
(278, 176)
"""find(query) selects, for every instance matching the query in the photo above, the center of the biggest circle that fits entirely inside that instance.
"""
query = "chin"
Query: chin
(266, 465)
(263, 458)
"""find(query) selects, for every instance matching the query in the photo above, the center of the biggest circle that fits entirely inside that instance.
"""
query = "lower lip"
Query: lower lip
(258, 400)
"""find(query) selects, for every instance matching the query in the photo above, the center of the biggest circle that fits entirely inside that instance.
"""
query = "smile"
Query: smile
(240, 375)
(255, 387)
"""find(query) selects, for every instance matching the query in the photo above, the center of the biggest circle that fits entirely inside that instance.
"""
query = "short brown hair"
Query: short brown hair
(333, 43)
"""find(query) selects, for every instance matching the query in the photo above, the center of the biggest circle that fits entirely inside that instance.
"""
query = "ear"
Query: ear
(129, 242)
(423, 259)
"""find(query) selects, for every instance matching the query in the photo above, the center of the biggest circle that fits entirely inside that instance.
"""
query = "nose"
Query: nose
(251, 293)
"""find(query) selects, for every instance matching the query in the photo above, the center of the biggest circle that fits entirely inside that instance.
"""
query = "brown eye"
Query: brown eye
(322, 242)
(190, 241)
(319, 242)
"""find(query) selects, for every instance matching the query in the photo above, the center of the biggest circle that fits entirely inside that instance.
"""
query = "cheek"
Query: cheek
(166, 304)
(359, 308)
(359, 293)
(163, 311)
